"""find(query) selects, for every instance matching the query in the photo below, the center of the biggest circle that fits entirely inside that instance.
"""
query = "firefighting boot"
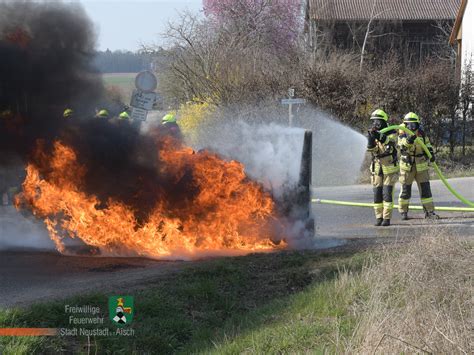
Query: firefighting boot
(378, 222)
(385, 223)
(431, 215)
(404, 216)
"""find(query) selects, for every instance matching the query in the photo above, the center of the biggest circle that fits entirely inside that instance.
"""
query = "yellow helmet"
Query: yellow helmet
(103, 113)
(68, 113)
(124, 115)
(379, 115)
(411, 117)
(168, 118)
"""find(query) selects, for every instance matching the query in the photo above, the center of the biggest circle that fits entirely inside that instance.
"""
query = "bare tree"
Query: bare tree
(226, 61)
(368, 32)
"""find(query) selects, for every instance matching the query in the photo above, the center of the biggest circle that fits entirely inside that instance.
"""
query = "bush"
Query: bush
(193, 115)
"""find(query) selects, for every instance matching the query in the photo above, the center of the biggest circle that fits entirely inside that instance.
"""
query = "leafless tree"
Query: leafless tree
(224, 62)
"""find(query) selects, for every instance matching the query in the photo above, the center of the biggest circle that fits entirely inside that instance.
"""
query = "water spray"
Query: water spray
(435, 166)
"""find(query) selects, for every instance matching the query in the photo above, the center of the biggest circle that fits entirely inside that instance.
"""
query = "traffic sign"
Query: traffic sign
(293, 101)
(146, 81)
(143, 100)
(139, 114)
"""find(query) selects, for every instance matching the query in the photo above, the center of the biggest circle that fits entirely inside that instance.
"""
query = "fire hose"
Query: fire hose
(436, 168)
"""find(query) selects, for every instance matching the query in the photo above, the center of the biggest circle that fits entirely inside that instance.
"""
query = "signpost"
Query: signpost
(293, 101)
(290, 102)
(146, 81)
(144, 95)
(142, 99)
(139, 114)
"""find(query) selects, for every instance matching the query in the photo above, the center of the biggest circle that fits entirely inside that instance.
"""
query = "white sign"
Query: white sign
(293, 101)
(146, 81)
(139, 114)
(143, 100)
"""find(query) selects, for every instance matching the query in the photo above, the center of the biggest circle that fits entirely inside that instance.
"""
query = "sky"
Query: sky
(126, 24)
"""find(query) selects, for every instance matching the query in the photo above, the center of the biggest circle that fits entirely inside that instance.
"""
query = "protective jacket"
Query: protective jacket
(412, 154)
(384, 155)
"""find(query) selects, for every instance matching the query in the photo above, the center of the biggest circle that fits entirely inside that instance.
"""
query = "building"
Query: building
(414, 29)
(462, 39)
(462, 35)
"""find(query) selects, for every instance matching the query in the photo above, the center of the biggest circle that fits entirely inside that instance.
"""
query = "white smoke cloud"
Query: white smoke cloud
(19, 232)
(270, 153)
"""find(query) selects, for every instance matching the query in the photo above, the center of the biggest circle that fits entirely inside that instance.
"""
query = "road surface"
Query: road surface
(28, 276)
(357, 222)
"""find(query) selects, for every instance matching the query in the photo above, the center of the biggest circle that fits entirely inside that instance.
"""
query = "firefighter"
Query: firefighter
(384, 166)
(170, 127)
(414, 167)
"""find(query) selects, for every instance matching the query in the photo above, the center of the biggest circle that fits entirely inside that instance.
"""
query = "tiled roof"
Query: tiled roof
(408, 10)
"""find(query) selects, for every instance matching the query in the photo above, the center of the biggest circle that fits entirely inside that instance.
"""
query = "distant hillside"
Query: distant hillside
(122, 61)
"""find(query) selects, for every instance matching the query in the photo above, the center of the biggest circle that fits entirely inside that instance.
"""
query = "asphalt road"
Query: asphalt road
(357, 222)
(28, 275)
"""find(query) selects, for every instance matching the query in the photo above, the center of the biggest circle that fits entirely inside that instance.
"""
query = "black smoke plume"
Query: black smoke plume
(45, 55)
(46, 51)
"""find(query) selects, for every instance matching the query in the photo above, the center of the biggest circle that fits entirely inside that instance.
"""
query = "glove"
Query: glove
(433, 158)
(411, 139)
(375, 134)
(370, 140)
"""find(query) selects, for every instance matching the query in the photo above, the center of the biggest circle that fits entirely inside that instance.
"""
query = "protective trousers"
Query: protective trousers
(423, 181)
(383, 194)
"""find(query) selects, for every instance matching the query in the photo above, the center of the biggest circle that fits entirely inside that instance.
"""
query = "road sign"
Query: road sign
(139, 114)
(143, 100)
(293, 101)
(146, 81)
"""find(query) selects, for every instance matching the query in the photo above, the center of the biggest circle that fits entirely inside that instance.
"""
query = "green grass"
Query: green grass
(285, 302)
(124, 82)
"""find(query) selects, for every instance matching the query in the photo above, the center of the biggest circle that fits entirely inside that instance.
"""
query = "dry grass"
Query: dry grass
(417, 299)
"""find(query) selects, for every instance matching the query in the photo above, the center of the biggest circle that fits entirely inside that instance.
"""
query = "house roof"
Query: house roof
(457, 24)
(402, 10)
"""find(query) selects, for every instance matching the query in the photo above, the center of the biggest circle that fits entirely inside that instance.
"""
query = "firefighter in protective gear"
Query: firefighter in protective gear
(414, 167)
(170, 127)
(384, 167)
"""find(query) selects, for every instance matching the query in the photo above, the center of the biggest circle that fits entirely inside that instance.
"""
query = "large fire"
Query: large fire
(225, 211)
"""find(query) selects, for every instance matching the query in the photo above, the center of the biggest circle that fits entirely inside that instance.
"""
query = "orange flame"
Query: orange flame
(230, 214)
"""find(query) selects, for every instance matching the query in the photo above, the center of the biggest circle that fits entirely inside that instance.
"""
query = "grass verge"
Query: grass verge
(403, 299)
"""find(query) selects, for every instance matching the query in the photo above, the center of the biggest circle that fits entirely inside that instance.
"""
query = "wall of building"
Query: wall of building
(467, 33)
